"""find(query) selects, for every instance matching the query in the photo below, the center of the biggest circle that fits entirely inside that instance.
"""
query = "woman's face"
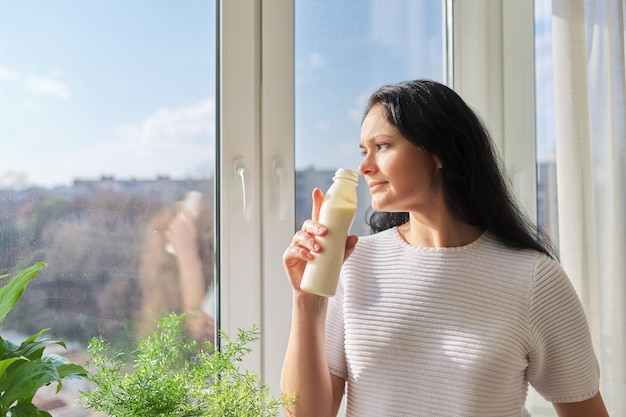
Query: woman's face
(401, 176)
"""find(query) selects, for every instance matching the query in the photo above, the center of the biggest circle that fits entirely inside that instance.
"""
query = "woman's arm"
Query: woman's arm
(593, 407)
(305, 374)
(182, 234)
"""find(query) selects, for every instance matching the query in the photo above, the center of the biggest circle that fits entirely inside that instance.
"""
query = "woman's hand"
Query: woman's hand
(304, 243)
(182, 233)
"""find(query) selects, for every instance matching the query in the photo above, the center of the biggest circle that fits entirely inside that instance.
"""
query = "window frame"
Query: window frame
(255, 132)
(493, 69)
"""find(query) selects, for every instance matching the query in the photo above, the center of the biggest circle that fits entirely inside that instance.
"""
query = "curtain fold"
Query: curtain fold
(589, 80)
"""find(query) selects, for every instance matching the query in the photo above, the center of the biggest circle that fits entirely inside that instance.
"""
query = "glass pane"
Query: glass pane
(547, 214)
(107, 120)
(603, 276)
(544, 113)
(344, 51)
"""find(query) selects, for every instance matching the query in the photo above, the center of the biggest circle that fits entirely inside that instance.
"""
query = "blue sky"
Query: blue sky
(365, 47)
(90, 88)
(344, 51)
(104, 87)
(544, 81)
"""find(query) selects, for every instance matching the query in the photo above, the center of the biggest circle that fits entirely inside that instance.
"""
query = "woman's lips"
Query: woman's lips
(376, 185)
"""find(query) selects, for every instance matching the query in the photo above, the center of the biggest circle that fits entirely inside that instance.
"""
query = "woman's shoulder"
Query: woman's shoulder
(506, 251)
(523, 265)
(376, 245)
(384, 238)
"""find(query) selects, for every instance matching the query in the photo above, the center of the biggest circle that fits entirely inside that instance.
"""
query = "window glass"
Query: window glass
(344, 51)
(547, 214)
(546, 139)
(107, 121)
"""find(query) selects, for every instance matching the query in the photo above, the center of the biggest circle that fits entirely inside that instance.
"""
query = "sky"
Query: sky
(127, 88)
(92, 88)
(362, 49)
(544, 82)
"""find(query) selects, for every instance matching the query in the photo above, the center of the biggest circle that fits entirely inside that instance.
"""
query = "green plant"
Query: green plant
(24, 368)
(172, 377)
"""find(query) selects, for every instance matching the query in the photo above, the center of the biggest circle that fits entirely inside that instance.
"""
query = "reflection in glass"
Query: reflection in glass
(344, 51)
(108, 123)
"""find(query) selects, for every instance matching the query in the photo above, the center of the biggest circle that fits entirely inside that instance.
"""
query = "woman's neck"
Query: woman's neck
(438, 233)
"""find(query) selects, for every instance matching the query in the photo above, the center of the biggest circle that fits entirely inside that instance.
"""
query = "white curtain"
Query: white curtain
(590, 92)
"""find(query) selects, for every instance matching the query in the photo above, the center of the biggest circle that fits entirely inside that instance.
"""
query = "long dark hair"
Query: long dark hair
(435, 118)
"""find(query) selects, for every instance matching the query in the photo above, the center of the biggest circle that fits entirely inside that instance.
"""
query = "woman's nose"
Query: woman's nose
(367, 165)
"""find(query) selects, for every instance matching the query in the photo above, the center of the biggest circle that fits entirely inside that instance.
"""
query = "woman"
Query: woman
(175, 271)
(456, 303)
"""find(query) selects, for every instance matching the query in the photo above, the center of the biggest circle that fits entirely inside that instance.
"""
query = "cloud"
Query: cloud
(355, 113)
(8, 74)
(315, 60)
(175, 142)
(46, 86)
(37, 85)
(172, 129)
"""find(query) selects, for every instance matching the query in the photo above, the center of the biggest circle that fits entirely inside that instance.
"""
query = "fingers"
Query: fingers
(295, 254)
(318, 198)
(181, 232)
(350, 245)
(304, 241)
(184, 213)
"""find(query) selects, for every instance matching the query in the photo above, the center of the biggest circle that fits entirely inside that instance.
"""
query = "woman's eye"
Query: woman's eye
(379, 146)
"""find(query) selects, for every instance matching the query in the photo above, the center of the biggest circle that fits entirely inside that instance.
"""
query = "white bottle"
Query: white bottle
(321, 274)
(192, 202)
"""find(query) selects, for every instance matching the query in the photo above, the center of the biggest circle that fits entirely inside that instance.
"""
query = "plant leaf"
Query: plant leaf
(25, 379)
(72, 370)
(65, 368)
(7, 348)
(33, 349)
(26, 410)
(5, 363)
(11, 292)
(36, 335)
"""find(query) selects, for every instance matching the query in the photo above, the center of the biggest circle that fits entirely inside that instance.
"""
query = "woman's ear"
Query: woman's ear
(438, 163)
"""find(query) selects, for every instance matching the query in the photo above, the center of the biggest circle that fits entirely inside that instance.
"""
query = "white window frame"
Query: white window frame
(493, 70)
(239, 140)
(256, 133)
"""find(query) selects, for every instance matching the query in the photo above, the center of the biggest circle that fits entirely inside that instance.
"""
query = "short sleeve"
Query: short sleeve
(335, 347)
(562, 364)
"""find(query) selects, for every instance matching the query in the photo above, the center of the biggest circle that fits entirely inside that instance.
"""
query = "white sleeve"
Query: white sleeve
(562, 364)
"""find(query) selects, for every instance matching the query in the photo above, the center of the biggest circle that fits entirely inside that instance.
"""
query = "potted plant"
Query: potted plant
(24, 368)
(171, 376)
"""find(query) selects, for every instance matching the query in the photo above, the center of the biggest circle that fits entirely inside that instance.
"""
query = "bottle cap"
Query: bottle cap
(347, 174)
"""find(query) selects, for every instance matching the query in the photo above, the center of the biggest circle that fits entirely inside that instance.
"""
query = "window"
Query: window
(580, 136)
(108, 121)
(343, 53)
(111, 109)
(546, 146)
(545, 150)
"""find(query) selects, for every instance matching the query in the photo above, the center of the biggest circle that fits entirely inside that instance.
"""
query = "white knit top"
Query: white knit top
(456, 331)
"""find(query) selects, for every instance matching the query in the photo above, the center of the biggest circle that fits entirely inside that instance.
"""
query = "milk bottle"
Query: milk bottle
(321, 274)
(192, 202)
